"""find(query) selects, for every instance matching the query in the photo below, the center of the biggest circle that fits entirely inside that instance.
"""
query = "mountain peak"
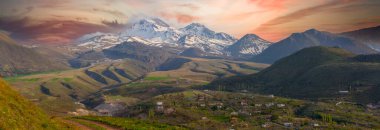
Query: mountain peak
(193, 25)
(250, 36)
(249, 44)
(153, 21)
(313, 31)
(307, 32)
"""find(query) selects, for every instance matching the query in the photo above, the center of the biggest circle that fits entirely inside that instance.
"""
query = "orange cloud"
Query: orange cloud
(274, 31)
(179, 17)
(271, 4)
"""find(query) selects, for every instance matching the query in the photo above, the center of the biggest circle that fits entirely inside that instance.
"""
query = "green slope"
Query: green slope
(315, 73)
(16, 59)
(18, 113)
(57, 92)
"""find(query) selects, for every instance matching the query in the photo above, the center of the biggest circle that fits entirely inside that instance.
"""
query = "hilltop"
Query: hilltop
(17, 59)
(315, 73)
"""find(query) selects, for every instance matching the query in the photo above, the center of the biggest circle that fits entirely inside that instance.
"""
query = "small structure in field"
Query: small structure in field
(315, 124)
(280, 105)
(265, 125)
(269, 104)
(109, 109)
(160, 106)
(201, 97)
(344, 92)
(234, 114)
(243, 102)
(373, 106)
(288, 124)
(219, 105)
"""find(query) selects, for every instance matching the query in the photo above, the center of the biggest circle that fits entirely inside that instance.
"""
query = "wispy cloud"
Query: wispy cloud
(272, 19)
(51, 32)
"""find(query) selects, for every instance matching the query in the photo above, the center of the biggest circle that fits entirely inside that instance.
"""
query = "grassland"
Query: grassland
(195, 72)
(132, 124)
(57, 92)
(18, 113)
(206, 70)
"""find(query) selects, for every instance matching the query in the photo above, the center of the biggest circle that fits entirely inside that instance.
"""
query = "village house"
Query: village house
(280, 105)
(315, 124)
(243, 103)
(288, 124)
(373, 106)
(265, 125)
(234, 119)
(219, 105)
(109, 109)
(269, 104)
(160, 106)
(344, 92)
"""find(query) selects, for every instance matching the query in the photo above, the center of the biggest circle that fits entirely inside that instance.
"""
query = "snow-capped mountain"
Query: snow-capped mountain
(155, 32)
(199, 36)
(99, 40)
(249, 44)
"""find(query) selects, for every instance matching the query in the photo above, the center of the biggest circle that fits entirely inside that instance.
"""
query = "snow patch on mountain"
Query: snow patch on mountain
(249, 44)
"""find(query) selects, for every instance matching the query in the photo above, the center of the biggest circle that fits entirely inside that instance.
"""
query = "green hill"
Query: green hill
(18, 113)
(16, 59)
(57, 92)
(315, 73)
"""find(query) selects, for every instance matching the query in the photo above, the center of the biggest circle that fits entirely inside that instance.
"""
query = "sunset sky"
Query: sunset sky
(61, 21)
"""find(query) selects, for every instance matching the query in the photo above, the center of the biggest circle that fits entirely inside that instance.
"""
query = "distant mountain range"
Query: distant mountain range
(368, 36)
(315, 73)
(310, 38)
(155, 32)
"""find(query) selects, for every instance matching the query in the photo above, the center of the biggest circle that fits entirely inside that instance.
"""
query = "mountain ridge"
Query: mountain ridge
(315, 73)
(17, 59)
(155, 32)
(309, 38)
